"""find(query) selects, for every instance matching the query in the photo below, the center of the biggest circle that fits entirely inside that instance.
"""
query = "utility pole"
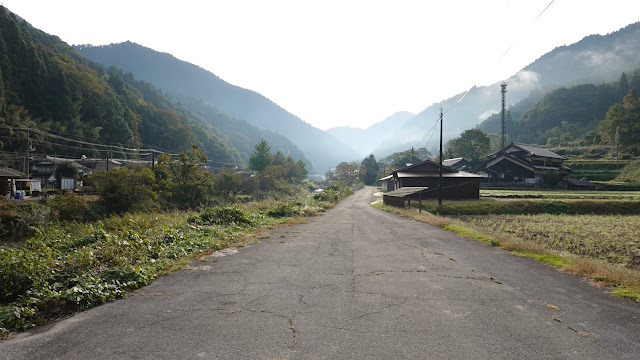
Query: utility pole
(26, 166)
(440, 167)
(617, 144)
(153, 160)
(413, 158)
(108, 156)
(503, 132)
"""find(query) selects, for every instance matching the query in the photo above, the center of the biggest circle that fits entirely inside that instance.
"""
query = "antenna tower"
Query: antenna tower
(503, 133)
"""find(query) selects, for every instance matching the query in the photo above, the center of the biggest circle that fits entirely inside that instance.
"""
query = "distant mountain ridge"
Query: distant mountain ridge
(364, 141)
(180, 78)
(594, 59)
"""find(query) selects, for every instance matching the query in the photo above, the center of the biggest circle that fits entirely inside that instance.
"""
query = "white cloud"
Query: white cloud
(482, 117)
(524, 79)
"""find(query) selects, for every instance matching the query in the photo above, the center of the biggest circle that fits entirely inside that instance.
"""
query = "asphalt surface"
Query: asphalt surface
(354, 283)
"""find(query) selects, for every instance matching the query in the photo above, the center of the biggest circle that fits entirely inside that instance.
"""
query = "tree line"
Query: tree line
(580, 116)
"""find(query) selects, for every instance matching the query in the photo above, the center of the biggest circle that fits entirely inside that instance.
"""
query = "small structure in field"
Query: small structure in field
(400, 196)
(573, 184)
(387, 183)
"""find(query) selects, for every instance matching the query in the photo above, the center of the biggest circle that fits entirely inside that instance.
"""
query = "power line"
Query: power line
(522, 33)
(468, 91)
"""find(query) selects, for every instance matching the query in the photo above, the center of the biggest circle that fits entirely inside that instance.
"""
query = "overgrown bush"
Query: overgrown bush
(56, 272)
(19, 221)
(125, 189)
(222, 216)
(69, 207)
(292, 208)
(333, 193)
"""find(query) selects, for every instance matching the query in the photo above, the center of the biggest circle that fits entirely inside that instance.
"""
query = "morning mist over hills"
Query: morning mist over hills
(230, 120)
(594, 59)
(182, 80)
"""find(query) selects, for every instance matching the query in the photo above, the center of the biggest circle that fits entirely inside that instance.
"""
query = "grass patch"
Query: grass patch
(492, 206)
(632, 294)
(473, 234)
(559, 194)
(553, 260)
(613, 238)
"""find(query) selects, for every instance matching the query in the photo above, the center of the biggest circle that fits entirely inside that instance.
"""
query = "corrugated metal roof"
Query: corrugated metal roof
(405, 191)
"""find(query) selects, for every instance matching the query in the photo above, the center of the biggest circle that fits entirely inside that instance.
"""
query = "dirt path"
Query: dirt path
(354, 283)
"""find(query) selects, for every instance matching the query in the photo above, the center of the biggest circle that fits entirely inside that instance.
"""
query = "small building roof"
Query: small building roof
(406, 191)
(581, 183)
(452, 162)
(425, 166)
(457, 174)
(10, 173)
(386, 178)
(535, 150)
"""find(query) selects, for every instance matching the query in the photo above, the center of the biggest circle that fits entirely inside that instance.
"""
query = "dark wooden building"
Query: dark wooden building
(455, 184)
(460, 164)
(524, 164)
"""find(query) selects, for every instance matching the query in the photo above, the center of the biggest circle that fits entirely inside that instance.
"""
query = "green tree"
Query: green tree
(623, 86)
(370, 169)
(634, 84)
(261, 156)
(472, 144)
(605, 97)
(403, 158)
(272, 178)
(125, 189)
(625, 119)
(228, 183)
(347, 173)
(302, 171)
(188, 185)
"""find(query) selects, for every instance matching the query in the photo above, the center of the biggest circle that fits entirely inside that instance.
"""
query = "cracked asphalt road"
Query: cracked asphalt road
(354, 283)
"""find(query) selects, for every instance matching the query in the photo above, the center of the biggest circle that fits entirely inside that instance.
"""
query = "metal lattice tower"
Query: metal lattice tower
(503, 133)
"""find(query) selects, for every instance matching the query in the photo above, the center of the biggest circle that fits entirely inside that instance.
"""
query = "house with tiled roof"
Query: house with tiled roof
(523, 164)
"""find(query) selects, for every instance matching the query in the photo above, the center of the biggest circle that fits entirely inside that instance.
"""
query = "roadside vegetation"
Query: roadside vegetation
(595, 234)
(72, 252)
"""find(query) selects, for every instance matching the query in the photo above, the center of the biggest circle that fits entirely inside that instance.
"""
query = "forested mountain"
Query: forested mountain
(365, 141)
(594, 59)
(565, 114)
(47, 86)
(239, 133)
(179, 78)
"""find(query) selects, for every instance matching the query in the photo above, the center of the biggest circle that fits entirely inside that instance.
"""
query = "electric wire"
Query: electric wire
(522, 33)
(467, 92)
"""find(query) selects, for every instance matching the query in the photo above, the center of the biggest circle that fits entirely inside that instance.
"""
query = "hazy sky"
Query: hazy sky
(339, 63)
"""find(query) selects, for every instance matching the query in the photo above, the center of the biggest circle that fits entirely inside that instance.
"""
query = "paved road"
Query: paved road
(355, 283)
